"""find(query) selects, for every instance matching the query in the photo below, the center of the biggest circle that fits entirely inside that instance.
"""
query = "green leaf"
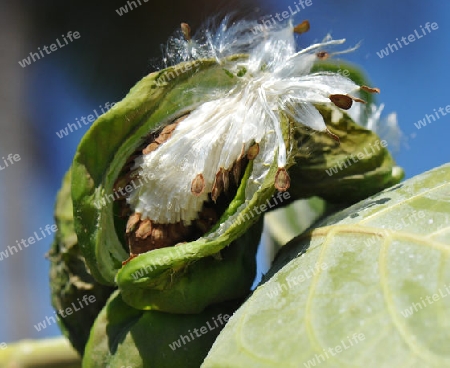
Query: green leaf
(367, 287)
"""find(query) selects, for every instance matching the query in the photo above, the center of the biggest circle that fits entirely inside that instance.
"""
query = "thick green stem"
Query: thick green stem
(48, 353)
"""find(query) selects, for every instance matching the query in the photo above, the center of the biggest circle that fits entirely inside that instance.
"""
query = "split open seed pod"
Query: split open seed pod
(168, 271)
(170, 184)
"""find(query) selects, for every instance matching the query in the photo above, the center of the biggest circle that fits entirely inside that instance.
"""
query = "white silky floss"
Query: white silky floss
(277, 80)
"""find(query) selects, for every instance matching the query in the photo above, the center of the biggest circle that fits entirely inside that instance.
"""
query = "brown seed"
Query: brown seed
(334, 136)
(370, 89)
(198, 185)
(132, 222)
(342, 101)
(236, 171)
(217, 186)
(186, 30)
(159, 235)
(226, 179)
(171, 127)
(323, 55)
(302, 27)
(166, 133)
(162, 138)
(124, 180)
(150, 148)
(356, 99)
(144, 229)
(181, 118)
(253, 151)
(282, 180)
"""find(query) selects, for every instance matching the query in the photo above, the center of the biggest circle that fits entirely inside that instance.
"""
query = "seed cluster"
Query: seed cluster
(143, 234)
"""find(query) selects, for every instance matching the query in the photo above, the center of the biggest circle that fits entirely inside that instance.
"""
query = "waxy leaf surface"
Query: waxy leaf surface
(367, 287)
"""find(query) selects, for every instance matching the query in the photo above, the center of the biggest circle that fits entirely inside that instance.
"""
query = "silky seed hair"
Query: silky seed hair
(275, 81)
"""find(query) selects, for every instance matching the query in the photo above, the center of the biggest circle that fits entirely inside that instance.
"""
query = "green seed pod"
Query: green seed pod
(70, 279)
(342, 173)
(152, 279)
(126, 337)
(169, 185)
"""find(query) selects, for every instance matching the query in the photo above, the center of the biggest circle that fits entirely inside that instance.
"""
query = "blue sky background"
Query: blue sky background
(413, 80)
